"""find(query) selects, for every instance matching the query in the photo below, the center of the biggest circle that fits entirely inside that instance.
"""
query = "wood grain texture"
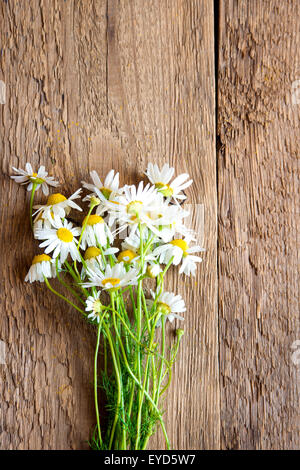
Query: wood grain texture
(258, 187)
(95, 85)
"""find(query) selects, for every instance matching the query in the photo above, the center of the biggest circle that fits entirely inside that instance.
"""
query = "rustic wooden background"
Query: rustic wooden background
(213, 88)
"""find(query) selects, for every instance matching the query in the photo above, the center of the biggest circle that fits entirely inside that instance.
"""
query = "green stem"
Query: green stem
(169, 370)
(34, 186)
(105, 356)
(67, 285)
(62, 297)
(147, 395)
(120, 382)
(111, 344)
(167, 266)
(156, 390)
(96, 381)
(115, 312)
(76, 278)
(163, 346)
(144, 387)
(102, 253)
(132, 301)
(139, 330)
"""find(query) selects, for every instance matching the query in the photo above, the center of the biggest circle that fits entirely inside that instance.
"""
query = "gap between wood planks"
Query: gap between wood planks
(218, 143)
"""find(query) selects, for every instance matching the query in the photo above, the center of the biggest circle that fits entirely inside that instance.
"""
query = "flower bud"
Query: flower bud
(94, 201)
(179, 332)
(153, 270)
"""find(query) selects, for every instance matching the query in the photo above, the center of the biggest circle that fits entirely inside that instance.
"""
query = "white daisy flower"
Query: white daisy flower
(161, 180)
(96, 232)
(104, 191)
(133, 207)
(94, 305)
(149, 267)
(42, 265)
(28, 176)
(181, 252)
(112, 278)
(133, 242)
(60, 239)
(93, 258)
(131, 246)
(58, 206)
(168, 219)
(169, 305)
(40, 223)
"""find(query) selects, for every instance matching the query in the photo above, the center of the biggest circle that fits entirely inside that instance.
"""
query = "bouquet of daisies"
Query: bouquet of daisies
(129, 235)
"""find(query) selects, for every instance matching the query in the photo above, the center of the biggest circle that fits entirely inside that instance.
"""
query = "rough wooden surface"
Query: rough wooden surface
(258, 188)
(108, 83)
(95, 85)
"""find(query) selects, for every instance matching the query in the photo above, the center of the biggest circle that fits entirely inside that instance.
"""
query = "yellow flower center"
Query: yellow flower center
(181, 244)
(55, 199)
(93, 220)
(40, 258)
(163, 308)
(126, 256)
(165, 189)
(106, 192)
(134, 208)
(65, 235)
(91, 252)
(111, 280)
(34, 174)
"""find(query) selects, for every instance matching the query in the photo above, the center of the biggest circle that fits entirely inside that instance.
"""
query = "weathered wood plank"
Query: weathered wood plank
(91, 85)
(258, 183)
(161, 108)
(46, 383)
